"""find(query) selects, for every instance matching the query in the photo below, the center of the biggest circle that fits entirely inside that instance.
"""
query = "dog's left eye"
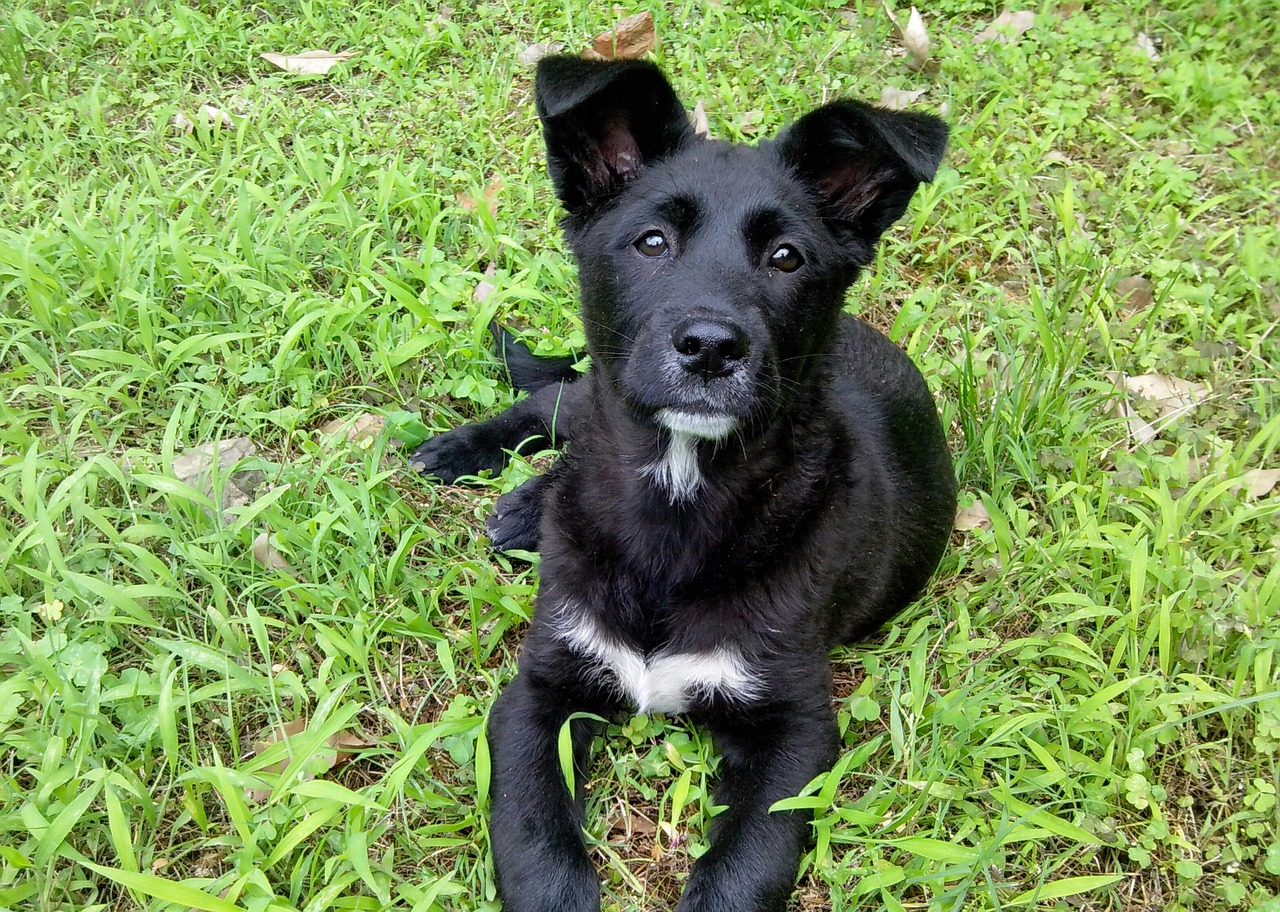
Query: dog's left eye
(786, 259)
(653, 244)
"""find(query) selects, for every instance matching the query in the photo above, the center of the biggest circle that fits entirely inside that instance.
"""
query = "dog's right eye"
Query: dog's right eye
(653, 244)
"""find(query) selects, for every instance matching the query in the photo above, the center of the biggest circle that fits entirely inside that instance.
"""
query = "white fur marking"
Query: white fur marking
(663, 682)
(678, 470)
(707, 427)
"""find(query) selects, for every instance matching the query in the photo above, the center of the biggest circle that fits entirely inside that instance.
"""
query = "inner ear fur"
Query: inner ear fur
(603, 122)
(864, 163)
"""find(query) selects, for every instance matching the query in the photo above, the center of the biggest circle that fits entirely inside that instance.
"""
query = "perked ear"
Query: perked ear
(863, 163)
(603, 122)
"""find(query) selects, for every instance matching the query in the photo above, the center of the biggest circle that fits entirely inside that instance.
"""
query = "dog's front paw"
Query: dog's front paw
(467, 450)
(516, 520)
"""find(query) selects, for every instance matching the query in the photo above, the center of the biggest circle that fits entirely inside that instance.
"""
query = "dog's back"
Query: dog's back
(883, 392)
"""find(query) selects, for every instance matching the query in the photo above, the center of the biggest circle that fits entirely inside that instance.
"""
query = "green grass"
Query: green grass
(1083, 712)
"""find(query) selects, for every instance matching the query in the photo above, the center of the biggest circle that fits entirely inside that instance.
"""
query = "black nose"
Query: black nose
(711, 348)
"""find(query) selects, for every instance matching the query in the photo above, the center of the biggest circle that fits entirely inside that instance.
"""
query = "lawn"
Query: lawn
(258, 680)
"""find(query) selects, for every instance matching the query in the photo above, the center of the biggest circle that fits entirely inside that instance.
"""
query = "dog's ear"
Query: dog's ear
(603, 122)
(863, 163)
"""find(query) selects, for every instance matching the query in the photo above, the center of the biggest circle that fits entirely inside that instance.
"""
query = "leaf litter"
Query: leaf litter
(308, 63)
(339, 749)
(1172, 397)
(1008, 27)
(630, 39)
(914, 38)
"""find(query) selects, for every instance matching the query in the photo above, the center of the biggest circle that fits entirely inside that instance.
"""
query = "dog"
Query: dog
(749, 476)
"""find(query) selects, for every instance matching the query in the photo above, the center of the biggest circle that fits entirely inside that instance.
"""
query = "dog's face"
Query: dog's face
(712, 273)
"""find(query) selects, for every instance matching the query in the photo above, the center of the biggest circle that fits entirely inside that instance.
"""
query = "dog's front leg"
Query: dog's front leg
(543, 419)
(535, 824)
(751, 865)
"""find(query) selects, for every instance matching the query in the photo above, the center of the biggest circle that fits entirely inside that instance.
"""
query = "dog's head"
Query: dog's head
(712, 274)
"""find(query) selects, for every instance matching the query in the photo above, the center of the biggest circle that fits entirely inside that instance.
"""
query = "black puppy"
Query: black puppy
(750, 477)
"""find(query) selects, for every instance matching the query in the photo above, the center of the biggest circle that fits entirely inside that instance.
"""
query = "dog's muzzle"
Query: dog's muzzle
(710, 348)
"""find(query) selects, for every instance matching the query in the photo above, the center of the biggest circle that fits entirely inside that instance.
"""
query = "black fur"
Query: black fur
(713, 280)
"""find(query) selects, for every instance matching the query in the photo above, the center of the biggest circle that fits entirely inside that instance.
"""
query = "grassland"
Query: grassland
(1083, 713)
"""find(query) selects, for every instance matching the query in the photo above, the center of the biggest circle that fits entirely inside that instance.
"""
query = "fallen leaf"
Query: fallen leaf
(196, 467)
(340, 748)
(631, 39)
(1134, 293)
(914, 37)
(216, 116)
(974, 516)
(345, 745)
(469, 203)
(631, 824)
(899, 99)
(266, 554)
(353, 427)
(699, 120)
(1171, 394)
(1172, 397)
(1006, 27)
(209, 115)
(1260, 482)
(1147, 45)
(280, 733)
(749, 123)
(484, 290)
(311, 63)
(535, 52)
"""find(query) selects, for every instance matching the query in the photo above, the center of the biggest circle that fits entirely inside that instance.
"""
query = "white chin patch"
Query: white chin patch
(706, 427)
(677, 470)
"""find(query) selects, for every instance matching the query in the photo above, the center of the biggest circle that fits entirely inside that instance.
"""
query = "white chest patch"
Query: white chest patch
(663, 682)
(677, 470)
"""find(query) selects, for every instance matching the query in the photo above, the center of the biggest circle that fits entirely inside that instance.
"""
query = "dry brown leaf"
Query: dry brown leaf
(345, 745)
(489, 197)
(216, 116)
(339, 749)
(535, 52)
(915, 39)
(353, 427)
(209, 115)
(631, 39)
(699, 120)
(280, 733)
(310, 63)
(484, 290)
(196, 468)
(1135, 292)
(1172, 396)
(1260, 482)
(749, 123)
(630, 824)
(974, 516)
(266, 554)
(1008, 26)
(899, 99)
